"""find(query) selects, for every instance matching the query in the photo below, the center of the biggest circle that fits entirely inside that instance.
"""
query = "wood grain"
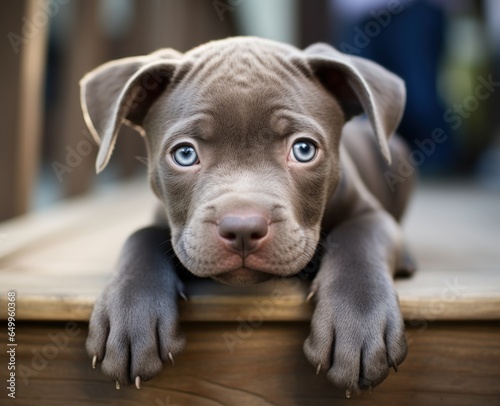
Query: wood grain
(448, 364)
(277, 301)
(59, 260)
(84, 49)
(23, 69)
(31, 107)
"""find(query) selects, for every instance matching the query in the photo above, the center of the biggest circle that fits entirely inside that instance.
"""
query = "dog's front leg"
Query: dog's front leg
(357, 330)
(134, 325)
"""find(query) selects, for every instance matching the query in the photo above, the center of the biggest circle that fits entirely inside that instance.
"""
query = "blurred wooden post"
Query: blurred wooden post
(314, 22)
(83, 51)
(25, 24)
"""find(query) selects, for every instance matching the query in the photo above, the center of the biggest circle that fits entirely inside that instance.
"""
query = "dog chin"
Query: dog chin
(242, 277)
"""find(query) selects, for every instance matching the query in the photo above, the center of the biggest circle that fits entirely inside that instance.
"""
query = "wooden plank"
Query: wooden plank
(133, 200)
(454, 226)
(50, 297)
(21, 101)
(60, 260)
(10, 21)
(456, 364)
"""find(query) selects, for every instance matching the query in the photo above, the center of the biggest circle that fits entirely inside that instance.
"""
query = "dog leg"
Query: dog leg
(407, 265)
(357, 330)
(134, 325)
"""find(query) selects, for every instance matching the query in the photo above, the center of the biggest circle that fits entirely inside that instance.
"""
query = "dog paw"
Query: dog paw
(131, 333)
(356, 340)
(407, 264)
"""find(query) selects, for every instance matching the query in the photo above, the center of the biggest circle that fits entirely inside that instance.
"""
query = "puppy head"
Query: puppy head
(243, 143)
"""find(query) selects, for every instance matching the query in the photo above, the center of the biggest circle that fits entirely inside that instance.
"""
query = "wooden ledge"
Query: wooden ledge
(58, 260)
(456, 296)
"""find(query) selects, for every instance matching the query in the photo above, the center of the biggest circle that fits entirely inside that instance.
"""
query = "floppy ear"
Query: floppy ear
(122, 91)
(361, 85)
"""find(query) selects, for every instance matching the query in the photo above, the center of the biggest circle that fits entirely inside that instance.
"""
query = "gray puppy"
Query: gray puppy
(250, 156)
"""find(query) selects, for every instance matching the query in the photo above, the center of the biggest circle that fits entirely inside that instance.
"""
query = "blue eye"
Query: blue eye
(303, 151)
(185, 156)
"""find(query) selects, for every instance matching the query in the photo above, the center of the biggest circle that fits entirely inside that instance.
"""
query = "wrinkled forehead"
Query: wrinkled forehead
(219, 122)
(241, 61)
(240, 92)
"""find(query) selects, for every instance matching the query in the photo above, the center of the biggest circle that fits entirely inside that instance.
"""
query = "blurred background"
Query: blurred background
(448, 52)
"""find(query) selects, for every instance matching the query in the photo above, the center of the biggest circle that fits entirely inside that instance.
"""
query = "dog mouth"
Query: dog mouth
(242, 276)
(203, 254)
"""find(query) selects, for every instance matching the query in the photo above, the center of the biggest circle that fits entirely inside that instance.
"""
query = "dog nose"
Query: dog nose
(243, 234)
